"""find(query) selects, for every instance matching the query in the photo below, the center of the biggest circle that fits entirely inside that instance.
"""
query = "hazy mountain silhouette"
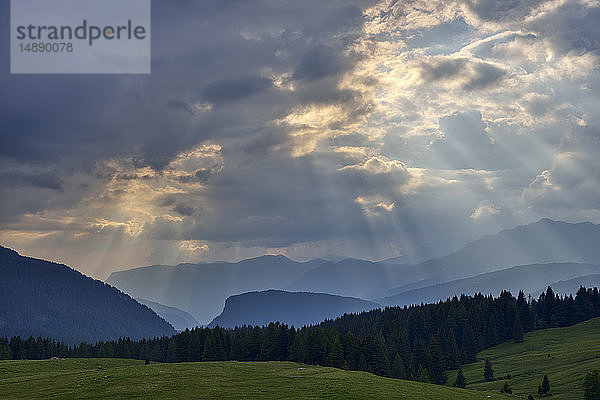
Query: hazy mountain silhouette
(542, 242)
(201, 289)
(173, 315)
(570, 286)
(528, 278)
(292, 308)
(350, 277)
(42, 298)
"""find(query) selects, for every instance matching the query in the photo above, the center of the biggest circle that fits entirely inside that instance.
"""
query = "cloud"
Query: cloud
(43, 180)
(226, 91)
(184, 209)
(572, 181)
(485, 209)
(363, 128)
(460, 72)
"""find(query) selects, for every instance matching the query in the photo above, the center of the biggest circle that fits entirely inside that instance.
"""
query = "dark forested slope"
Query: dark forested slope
(42, 298)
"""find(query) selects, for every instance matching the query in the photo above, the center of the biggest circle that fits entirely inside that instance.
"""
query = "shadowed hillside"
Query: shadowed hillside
(291, 308)
(41, 298)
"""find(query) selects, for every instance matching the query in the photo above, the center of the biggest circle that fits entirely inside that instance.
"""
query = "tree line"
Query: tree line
(420, 342)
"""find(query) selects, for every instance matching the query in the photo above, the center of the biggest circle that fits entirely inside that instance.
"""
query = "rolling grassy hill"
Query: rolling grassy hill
(574, 351)
(129, 379)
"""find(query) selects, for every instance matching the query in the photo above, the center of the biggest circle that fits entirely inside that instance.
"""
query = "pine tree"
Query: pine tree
(362, 363)
(5, 352)
(238, 346)
(544, 388)
(213, 347)
(591, 386)
(352, 350)
(422, 375)
(488, 371)
(524, 312)
(469, 347)
(461, 381)
(452, 356)
(336, 353)
(435, 367)
(298, 350)
(518, 330)
(398, 370)
(506, 388)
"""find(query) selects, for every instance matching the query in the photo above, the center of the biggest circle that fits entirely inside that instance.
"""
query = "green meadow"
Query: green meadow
(566, 355)
(129, 379)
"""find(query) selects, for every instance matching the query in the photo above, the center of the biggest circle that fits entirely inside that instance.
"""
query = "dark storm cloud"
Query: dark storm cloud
(44, 180)
(217, 62)
(184, 209)
(379, 161)
(320, 62)
(468, 74)
(229, 90)
(80, 119)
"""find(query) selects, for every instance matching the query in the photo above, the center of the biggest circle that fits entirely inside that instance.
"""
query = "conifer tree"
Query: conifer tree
(298, 350)
(422, 375)
(336, 353)
(352, 350)
(5, 352)
(362, 363)
(452, 354)
(591, 386)
(435, 366)
(398, 370)
(469, 347)
(461, 381)
(506, 388)
(488, 371)
(518, 330)
(544, 388)
(524, 312)
(213, 347)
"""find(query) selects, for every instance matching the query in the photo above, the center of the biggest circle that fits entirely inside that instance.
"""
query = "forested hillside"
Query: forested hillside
(42, 298)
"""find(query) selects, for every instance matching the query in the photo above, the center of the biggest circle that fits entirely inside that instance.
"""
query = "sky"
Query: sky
(307, 128)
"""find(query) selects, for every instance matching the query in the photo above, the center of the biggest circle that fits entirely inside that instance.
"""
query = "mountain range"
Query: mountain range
(201, 289)
(529, 278)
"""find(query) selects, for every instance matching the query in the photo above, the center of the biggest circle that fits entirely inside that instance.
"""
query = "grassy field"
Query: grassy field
(127, 379)
(564, 354)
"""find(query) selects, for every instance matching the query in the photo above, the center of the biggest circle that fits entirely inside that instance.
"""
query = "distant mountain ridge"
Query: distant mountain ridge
(542, 242)
(349, 277)
(528, 278)
(42, 298)
(570, 286)
(173, 315)
(292, 308)
(201, 289)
